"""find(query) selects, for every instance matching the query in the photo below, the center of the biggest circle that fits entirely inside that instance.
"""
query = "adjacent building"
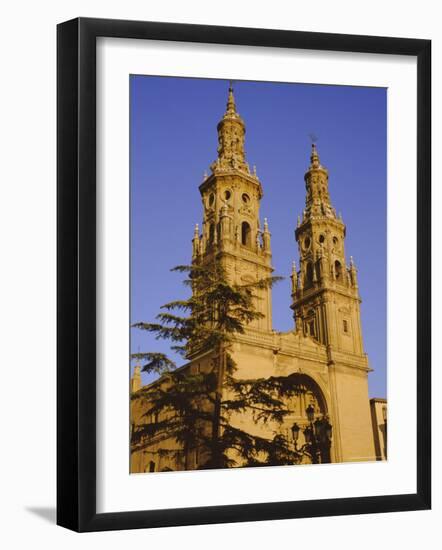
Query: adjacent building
(378, 408)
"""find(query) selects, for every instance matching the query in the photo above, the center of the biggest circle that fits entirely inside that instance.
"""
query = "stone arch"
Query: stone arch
(338, 270)
(310, 392)
(309, 273)
(246, 234)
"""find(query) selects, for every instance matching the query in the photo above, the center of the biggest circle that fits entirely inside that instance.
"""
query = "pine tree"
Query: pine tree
(193, 409)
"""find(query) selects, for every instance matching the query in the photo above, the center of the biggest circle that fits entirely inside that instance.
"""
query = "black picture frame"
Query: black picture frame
(76, 274)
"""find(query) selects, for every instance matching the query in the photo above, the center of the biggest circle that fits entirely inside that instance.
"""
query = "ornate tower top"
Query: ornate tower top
(231, 134)
(325, 289)
(232, 232)
(318, 203)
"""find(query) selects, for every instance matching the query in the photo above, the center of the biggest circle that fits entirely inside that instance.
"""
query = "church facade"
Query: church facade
(324, 351)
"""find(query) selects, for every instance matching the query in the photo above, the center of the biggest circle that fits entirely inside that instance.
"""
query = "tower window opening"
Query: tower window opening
(246, 237)
(318, 269)
(345, 323)
(245, 198)
(311, 325)
(338, 271)
(227, 194)
(309, 273)
(321, 238)
(211, 233)
(151, 466)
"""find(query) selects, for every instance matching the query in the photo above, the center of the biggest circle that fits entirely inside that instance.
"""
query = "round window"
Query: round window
(321, 239)
(227, 194)
(245, 198)
(335, 240)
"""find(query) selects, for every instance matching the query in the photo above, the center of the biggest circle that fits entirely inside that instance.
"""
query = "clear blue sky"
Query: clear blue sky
(174, 140)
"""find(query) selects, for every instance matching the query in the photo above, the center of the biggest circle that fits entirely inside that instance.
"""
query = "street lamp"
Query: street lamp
(317, 436)
(295, 433)
(310, 411)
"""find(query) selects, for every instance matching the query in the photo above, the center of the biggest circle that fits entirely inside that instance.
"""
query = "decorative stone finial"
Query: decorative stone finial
(196, 244)
(266, 237)
(294, 278)
(353, 273)
(136, 378)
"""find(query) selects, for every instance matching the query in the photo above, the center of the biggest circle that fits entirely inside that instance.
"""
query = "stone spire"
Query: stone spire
(353, 273)
(314, 157)
(231, 107)
(231, 134)
(318, 203)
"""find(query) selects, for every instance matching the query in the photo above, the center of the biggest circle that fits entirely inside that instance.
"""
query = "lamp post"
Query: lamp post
(317, 435)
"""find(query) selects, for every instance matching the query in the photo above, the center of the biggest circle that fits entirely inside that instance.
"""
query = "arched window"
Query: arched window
(211, 233)
(311, 324)
(338, 271)
(151, 466)
(246, 237)
(309, 273)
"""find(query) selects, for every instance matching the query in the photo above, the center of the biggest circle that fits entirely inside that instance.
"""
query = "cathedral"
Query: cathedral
(324, 351)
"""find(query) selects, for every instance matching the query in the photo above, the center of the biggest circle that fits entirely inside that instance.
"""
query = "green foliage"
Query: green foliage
(191, 408)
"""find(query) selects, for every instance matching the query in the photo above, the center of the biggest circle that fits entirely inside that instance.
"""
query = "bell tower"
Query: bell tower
(231, 231)
(325, 295)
